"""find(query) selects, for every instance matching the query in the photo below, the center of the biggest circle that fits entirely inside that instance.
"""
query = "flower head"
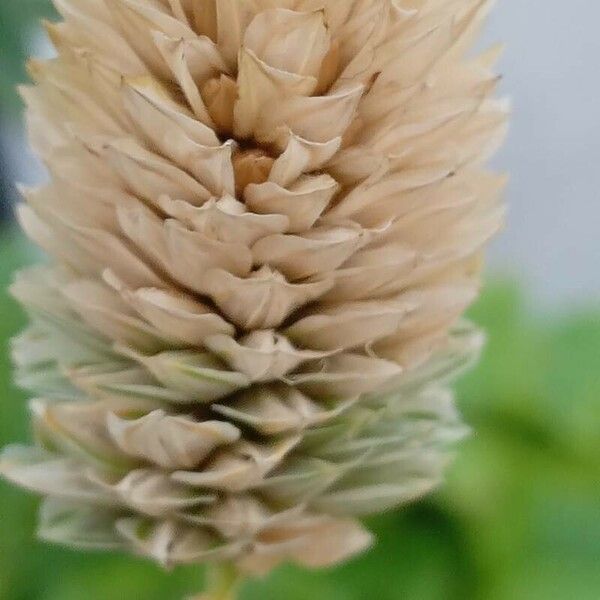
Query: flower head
(265, 219)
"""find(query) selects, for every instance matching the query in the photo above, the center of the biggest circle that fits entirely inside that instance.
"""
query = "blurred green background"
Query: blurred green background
(519, 518)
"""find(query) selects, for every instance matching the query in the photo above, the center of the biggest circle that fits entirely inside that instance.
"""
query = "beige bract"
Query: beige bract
(265, 219)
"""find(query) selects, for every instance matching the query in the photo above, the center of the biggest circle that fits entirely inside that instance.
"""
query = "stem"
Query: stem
(223, 583)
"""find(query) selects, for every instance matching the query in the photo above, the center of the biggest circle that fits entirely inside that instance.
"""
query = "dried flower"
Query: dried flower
(265, 218)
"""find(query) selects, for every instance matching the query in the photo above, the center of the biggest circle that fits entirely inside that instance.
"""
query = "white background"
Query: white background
(552, 72)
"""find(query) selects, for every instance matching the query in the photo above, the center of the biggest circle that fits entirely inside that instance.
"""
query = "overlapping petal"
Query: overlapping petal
(265, 220)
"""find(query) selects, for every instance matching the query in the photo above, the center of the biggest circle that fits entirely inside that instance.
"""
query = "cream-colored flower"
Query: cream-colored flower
(265, 218)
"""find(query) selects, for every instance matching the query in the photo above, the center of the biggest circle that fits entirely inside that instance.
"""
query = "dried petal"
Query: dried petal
(265, 219)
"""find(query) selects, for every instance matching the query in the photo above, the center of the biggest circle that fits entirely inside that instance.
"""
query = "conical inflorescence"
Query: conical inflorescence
(265, 219)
